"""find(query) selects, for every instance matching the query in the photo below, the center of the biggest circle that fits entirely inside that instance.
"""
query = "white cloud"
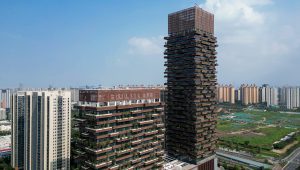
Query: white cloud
(146, 46)
(240, 11)
(255, 40)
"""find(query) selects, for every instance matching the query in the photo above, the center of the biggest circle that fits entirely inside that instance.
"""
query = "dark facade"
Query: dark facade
(123, 131)
(191, 85)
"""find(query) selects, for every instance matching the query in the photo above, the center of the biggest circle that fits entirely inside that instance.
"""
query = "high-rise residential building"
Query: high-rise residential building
(5, 98)
(3, 114)
(41, 132)
(74, 95)
(269, 95)
(120, 129)
(226, 94)
(290, 97)
(191, 85)
(237, 94)
(249, 94)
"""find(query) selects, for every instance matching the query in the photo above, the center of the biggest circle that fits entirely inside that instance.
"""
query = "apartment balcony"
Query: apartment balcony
(160, 136)
(100, 165)
(141, 111)
(124, 151)
(124, 157)
(114, 134)
(99, 150)
(139, 117)
(146, 139)
(136, 130)
(150, 161)
(159, 163)
(99, 116)
(122, 139)
(102, 136)
(115, 167)
(122, 126)
(117, 146)
(105, 122)
(146, 151)
(155, 115)
(99, 129)
(136, 161)
(101, 157)
(159, 109)
(146, 122)
(151, 133)
(136, 142)
(159, 125)
(160, 153)
(125, 119)
(154, 143)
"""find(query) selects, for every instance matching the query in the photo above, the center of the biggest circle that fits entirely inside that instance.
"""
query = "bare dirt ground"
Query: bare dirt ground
(283, 150)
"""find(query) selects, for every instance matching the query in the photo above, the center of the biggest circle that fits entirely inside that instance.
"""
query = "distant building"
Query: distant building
(3, 114)
(41, 132)
(120, 128)
(226, 94)
(269, 95)
(74, 95)
(237, 93)
(249, 94)
(5, 98)
(290, 97)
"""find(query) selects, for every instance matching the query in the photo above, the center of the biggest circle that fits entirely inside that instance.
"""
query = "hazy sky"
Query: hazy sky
(76, 43)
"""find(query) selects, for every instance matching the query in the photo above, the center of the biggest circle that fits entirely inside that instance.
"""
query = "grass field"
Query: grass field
(263, 137)
(256, 130)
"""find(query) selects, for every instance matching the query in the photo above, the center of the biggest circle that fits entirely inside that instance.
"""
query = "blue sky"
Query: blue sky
(76, 43)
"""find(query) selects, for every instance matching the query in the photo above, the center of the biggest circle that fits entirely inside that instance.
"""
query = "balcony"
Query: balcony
(115, 167)
(136, 130)
(100, 165)
(122, 126)
(146, 122)
(99, 150)
(100, 116)
(151, 133)
(122, 139)
(136, 160)
(146, 151)
(114, 134)
(124, 151)
(124, 157)
(99, 130)
(160, 136)
(160, 125)
(136, 142)
(125, 119)
(151, 161)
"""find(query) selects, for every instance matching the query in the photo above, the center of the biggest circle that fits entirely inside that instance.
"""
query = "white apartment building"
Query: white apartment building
(269, 95)
(41, 130)
(290, 97)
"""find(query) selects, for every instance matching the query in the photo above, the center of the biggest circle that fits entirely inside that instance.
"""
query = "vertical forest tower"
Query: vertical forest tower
(191, 87)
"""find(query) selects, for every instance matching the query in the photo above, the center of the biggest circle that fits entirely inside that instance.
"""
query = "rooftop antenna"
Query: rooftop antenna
(196, 5)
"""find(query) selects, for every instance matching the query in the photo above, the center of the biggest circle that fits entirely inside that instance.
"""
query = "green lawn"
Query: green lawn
(282, 119)
(264, 140)
(229, 126)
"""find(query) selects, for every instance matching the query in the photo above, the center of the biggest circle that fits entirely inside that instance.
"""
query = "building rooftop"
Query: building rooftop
(175, 164)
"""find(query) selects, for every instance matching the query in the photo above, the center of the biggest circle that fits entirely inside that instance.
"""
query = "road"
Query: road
(293, 160)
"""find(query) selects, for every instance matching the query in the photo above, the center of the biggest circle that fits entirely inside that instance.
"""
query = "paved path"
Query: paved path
(293, 160)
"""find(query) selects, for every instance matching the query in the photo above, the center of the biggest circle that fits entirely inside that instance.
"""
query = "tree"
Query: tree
(246, 143)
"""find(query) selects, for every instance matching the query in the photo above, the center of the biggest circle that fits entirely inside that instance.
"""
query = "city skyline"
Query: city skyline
(79, 41)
